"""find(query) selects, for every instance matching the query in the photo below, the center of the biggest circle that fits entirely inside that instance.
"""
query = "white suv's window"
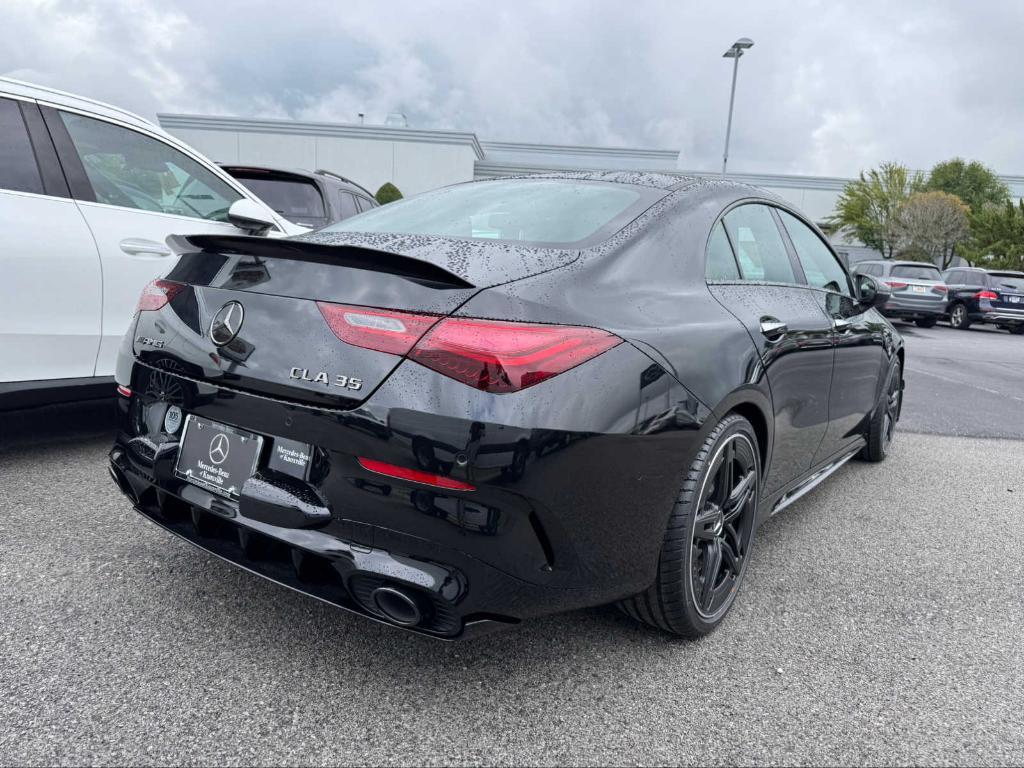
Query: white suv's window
(18, 169)
(129, 169)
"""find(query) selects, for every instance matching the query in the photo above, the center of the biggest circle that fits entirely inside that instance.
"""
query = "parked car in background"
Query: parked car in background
(88, 195)
(310, 199)
(918, 291)
(986, 296)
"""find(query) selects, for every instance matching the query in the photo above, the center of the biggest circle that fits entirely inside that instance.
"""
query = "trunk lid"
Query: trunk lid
(284, 347)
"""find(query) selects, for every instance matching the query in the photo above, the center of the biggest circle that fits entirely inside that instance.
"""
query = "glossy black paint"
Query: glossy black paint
(574, 478)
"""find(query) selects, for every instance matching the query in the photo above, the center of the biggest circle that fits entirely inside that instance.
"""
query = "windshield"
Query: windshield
(552, 212)
(915, 272)
(1008, 282)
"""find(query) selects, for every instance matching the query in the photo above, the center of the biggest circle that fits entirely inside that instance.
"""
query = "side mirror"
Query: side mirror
(249, 217)
(872, 292)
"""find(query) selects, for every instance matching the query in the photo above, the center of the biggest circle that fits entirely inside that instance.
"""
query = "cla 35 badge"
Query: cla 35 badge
(338, 380)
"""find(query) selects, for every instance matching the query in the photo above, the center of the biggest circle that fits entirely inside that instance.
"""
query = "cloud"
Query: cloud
(829, 87)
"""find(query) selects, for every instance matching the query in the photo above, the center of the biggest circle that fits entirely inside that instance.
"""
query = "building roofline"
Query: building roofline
(309, 128)
(579, 149)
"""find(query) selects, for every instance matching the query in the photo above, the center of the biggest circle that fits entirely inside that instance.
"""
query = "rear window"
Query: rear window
(298, 201)
(1008, 282)
(542, 212)
(916, 272)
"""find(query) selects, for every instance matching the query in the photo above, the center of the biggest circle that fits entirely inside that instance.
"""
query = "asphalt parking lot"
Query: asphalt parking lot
(880, 622)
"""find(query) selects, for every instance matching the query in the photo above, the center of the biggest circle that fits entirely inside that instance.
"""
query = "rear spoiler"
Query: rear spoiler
(353, 256)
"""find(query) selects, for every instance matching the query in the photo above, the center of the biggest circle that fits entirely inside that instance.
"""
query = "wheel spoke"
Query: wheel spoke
(739, 497)
(712, 564)
(732, 550)
(704, 525)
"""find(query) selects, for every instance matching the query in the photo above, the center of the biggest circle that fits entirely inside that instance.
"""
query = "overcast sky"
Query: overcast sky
(829, 87)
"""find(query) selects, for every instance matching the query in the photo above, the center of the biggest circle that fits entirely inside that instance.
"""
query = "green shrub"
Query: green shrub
(388, 193)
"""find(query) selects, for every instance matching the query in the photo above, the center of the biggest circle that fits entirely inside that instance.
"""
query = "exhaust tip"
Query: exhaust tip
(398, 606)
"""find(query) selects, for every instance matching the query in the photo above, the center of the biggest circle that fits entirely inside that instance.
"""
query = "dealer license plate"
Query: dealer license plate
(216, 456)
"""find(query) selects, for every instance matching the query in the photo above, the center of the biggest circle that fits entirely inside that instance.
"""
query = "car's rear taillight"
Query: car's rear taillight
(157, 294)
(382, 330)
(490, 355)
(895, 284)
(986, 295)
(507, 357)
(940, 289)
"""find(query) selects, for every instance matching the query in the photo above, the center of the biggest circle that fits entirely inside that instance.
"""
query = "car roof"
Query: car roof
(320, 173)
(664, 181)
(1004, 272)
(63, 98)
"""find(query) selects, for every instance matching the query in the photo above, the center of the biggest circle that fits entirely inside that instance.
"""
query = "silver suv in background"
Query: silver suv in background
(918, 291)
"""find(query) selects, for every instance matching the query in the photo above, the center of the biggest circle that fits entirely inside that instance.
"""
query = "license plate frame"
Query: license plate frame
(919, 288)
(1015, 299)
(197, 461)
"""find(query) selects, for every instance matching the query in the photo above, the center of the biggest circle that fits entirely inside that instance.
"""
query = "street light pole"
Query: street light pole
(733, 53)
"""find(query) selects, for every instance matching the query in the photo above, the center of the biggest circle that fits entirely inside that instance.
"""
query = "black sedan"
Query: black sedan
(506, 398)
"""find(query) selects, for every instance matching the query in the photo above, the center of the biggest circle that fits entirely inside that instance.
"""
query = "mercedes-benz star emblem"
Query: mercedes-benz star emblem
(219, 448)
(226, 323)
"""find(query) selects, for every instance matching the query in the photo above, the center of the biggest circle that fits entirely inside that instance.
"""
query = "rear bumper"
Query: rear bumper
(1004, 317)
(560, 518)
(912, 309)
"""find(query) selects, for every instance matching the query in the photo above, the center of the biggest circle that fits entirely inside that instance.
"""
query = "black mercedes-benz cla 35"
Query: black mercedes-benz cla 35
(506, 398)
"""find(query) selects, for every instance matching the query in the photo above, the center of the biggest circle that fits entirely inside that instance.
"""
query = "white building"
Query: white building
(417, 160)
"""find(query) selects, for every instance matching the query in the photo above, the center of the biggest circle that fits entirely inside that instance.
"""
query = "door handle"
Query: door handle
(136, 246)
(773, 328)
(842, 325)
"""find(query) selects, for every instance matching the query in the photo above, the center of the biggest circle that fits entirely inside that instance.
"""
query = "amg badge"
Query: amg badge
(304, 374)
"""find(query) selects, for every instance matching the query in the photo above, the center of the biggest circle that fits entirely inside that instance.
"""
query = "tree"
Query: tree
(997, 236)
(933, 224)
(870, 206)
(388, 193)
(972, 182)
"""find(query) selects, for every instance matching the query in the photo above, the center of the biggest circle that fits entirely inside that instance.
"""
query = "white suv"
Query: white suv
(88, 195)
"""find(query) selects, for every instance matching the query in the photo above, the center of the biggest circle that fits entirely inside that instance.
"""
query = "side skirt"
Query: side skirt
(812, 482)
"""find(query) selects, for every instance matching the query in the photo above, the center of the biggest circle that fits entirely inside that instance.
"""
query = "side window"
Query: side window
(822, 269)
(974, 279)
(875, 270)
(721, 264)
(129, 169)
(759, 248)
(364, 203)
(348, 205)
(952, 276)
(18, 168)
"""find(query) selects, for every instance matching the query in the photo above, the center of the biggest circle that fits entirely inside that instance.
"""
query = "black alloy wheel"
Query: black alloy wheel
(709, 536)
(722, 526)
(882, 428)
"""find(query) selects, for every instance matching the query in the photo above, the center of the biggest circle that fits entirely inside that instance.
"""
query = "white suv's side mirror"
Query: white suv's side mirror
(249, 217)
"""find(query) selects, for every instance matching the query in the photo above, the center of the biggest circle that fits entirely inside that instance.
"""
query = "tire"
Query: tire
(958, 317)
(683, 600)
(882, 428)
(926, 322)
(1016, 330)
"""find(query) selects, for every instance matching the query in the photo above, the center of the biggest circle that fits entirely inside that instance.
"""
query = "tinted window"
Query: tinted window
(916, 272)
(18, 169)
(759, 248)
(971, 277)
(347, 205)
(822, 269)
(721, 264)
(875, 269)
(364, 203)
(297, 201)
(953, 276)
(537, 211)
(129, 169)
(1007, 282)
